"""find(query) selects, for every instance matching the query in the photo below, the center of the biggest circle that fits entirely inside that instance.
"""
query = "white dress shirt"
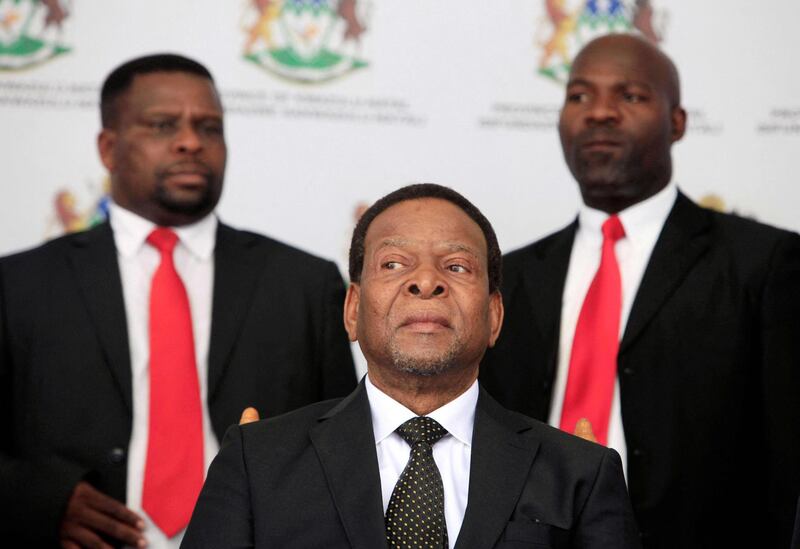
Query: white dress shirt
(452, 453)
(138, 261)
(643, 223)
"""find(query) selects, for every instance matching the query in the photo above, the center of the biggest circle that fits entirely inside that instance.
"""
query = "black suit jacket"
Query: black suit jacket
(277, 343)
(310, 479)
(709, 372)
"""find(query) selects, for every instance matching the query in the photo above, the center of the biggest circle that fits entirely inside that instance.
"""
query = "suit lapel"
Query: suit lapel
(683, 240)
(237, 267)
(94, 262)
(500, 463)
(543, 276)
(353, 477)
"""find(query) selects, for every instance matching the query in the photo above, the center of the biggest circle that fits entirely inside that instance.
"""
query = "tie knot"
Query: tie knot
(163, 239)
(421, 429)
(613, 229)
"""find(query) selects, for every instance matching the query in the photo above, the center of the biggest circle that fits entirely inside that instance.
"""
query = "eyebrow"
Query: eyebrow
(623, 83)
(450, 246)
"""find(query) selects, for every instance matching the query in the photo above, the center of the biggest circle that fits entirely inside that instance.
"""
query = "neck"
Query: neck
(423, 394)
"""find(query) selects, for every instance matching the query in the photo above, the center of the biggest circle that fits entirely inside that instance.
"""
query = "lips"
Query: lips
(425, 322)
(188, 174)
(600, 141)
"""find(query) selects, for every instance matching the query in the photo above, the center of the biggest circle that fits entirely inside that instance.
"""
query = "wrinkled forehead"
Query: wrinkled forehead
(429, 222)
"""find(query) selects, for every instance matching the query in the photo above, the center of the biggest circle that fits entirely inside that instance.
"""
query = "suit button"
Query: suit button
(628, 371)
(637, 452)
(116, 456)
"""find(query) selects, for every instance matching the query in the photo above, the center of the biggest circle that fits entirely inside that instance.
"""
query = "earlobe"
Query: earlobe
(105, 147)
(496, 313)
(678, 116)
(351, 303)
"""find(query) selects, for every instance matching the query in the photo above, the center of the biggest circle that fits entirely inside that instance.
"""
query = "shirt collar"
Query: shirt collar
(638, 220)
(457, 416)
(131, 231)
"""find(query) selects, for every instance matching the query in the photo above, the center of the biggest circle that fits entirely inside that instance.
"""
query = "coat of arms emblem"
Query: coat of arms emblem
(567, 25)
(31, 31)
(306, 40)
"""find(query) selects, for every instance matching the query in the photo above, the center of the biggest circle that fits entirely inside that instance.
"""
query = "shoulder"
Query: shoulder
(538, 247)
(286, 432)
(725, 227)
(57, 248)
(746, 242)
(265, 248)
(563, 448)
(554, 446)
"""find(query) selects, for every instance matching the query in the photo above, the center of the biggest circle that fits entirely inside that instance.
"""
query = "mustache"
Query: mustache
(426, 317)
(184, 166)
(600, 135)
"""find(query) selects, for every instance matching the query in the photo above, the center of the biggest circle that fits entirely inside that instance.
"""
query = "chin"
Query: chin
(425, 365)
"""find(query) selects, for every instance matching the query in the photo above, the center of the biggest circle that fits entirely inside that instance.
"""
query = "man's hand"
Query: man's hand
(92, 514)
(249, 416)
(584, 430)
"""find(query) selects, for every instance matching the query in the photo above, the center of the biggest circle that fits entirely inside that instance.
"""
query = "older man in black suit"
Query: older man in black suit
(419, 455)
(674, 329)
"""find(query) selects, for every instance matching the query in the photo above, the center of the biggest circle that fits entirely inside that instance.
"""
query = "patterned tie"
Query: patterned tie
(415, 516)
(593, 362)
(173, 472)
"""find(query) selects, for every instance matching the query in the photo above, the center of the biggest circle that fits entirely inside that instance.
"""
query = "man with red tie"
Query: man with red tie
(128, 350)
(671, 328)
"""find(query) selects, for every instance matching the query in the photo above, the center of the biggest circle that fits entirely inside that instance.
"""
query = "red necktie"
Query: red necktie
(173, 472)
(593, 362)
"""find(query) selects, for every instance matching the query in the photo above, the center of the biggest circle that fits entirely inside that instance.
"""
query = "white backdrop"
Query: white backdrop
(451, 93)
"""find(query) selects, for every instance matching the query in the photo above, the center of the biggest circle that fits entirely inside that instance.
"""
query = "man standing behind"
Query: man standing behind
(127, 350)
(418, 455)
(673, 329)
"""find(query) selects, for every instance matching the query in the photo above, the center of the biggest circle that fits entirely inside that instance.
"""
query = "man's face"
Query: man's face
(166, 150)
(423, 304)
(618, 123)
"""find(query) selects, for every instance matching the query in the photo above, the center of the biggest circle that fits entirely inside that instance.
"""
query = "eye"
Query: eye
(577, 97)
(211, 128)
(631, 97)
(161, 126)
(391, 265)
(457, 268)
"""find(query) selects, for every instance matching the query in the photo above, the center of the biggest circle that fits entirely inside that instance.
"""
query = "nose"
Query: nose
(603, 110)
(187, 140)
(426, 284)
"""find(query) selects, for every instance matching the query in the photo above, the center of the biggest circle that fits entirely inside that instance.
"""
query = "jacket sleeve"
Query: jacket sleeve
(223, 516)
(780, 369)
(606, 519)
(33, 492)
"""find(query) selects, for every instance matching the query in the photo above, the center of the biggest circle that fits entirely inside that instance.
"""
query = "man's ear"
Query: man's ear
(496, 313)
(351, 302)
(106, 140)
(678, 119)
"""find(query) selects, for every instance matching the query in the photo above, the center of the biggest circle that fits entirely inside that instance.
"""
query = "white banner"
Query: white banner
(331, 104)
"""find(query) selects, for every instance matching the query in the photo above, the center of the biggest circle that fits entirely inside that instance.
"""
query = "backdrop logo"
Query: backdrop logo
(306, 40)
(69, 217)
(31, 31)
(567, 26)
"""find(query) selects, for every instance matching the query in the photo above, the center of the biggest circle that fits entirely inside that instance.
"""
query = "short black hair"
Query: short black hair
(415, 192)
(122, 77)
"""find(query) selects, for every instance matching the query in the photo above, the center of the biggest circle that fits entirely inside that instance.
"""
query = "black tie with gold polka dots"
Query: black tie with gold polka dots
(415, 516)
